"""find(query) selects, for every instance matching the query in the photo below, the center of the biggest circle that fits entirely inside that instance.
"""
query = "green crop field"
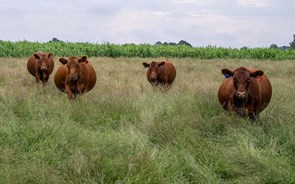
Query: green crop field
(24, 48)
(123, 131)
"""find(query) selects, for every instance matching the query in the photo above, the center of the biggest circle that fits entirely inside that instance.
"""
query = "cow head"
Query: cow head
(42, 61)
(241, 80)
(153, 69)
(74, 68)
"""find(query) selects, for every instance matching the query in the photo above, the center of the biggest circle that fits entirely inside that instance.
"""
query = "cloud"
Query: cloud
(189, 1)
(254, 3)
(233, 23)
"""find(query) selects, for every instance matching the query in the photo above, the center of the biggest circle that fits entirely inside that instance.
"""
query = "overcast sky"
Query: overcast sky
(226, 23)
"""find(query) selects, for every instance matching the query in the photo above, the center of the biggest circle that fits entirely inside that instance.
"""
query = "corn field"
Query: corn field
(25, 48)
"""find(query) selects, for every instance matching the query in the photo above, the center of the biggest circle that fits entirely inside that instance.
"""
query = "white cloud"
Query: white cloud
(233, 23)
(189, 1)
(254, 3)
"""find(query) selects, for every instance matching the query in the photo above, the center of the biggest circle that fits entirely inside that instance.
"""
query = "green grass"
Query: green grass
(123, 131)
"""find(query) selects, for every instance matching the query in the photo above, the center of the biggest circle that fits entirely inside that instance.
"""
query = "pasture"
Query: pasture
(123, 131)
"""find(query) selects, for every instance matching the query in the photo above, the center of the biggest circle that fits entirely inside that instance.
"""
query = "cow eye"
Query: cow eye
(235, 80)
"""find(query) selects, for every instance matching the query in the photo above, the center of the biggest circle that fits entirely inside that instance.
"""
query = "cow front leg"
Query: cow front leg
(37, 77)
(80, 88)
(70, 93)
(252, 114)
(45, 78)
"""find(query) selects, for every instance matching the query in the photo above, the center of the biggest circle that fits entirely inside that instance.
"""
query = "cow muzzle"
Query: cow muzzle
(153, 79)
(241, 95)
(43, 68)
(73, 78)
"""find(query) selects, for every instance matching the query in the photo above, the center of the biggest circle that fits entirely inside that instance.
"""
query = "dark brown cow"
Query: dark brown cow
(41, 65)
(245, 91)
(160, 73)
(75, 76)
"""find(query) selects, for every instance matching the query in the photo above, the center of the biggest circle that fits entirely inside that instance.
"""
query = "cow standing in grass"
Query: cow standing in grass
(160, 73)
(75, 76)
(245, 91)
(41, 65)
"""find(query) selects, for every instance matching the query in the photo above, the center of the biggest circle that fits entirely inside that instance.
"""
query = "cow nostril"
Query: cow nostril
(241, 94)
(72, 77)
(43, 68)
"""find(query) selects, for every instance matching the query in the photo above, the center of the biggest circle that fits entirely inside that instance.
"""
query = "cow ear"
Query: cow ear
(50, 54)
(63, 61)
(145, 65)
(227, 72)
(83, 59)
(161, 64)
(36, 56)
(256, 73)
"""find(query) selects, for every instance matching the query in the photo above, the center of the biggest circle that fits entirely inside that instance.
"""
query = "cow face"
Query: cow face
(241, 80)
(153, 69)
(42, 61)
(74, 67)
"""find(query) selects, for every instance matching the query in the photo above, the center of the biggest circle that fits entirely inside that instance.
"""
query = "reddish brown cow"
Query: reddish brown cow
(41, 65)
(160, 73)
(75, 76)
(246, 91)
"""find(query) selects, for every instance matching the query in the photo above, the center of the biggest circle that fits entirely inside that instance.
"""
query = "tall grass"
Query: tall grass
(25, 48)
(123, 131)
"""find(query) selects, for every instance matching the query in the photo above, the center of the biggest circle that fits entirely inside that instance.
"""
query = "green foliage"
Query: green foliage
(24, 49)
(292, 44)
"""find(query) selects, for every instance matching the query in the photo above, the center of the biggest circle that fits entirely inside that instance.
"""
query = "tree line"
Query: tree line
(185, 43)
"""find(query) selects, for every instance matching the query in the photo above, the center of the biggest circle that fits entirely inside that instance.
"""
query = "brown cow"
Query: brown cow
(75, 76)
(41, 65)
(245, 91)
(160, 73)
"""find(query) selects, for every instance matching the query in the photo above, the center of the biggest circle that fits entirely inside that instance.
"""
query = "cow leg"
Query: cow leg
(167, 86)
(45, 78)
(230, 106)
(252, 114)
(70, 93)
(37, 76)
(80, 88)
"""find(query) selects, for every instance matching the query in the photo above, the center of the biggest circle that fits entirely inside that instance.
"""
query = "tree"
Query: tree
(274, 46)
(292, 44)
(158, 43)
(182, 42)
(55, 40)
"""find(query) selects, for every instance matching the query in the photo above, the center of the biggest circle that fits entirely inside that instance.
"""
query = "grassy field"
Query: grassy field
(123, 131)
